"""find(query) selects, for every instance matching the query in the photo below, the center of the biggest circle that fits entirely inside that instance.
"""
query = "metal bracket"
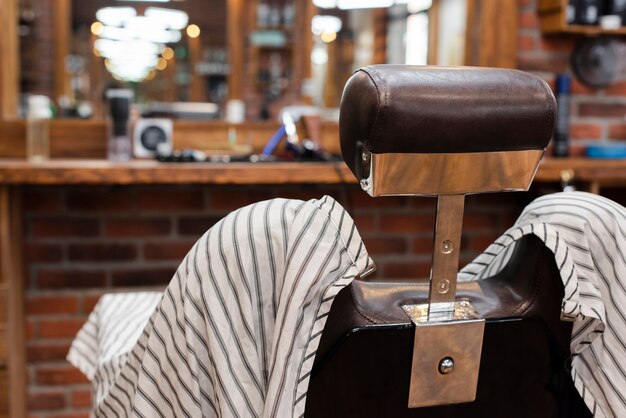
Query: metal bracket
(446, 355)
(430, 312)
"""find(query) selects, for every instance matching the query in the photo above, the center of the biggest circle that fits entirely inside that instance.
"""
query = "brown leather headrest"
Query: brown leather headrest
(426, 109)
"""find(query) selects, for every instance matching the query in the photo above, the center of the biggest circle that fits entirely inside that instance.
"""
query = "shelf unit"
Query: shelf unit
(268, 87)
(552, 17)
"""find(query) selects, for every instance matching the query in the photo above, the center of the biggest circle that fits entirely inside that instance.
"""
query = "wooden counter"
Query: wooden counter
(60, 172)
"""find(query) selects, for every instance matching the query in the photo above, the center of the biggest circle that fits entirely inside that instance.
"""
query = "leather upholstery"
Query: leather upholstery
(422, 109)
(363, 361)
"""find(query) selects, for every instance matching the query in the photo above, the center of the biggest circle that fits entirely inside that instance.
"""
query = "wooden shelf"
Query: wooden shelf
(592, 30)
(584, 30)
(597, 171)
(60, 172)
(552, 19)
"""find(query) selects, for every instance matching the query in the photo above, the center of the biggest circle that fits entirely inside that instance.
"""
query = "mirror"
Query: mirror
(347, 36)
(281, 52)
(170, 53)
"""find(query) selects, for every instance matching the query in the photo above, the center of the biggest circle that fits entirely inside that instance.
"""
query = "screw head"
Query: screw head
(447, 246)
(446, 365)
(443, 286)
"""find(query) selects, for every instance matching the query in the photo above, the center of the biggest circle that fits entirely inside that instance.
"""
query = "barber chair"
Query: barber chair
(494, 348)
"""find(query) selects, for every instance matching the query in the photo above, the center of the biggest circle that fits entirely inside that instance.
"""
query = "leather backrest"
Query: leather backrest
(426, 109)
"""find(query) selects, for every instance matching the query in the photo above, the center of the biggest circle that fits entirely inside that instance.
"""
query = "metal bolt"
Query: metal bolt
(364, 184)
(365, 156)
(447, 246)
(446, 365)
(443, 286)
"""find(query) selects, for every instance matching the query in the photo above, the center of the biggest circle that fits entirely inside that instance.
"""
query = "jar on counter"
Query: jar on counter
(38, 128)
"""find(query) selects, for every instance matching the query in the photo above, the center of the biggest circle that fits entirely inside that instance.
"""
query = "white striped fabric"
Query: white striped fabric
(102, 345)
(236, 331)
(587, 234)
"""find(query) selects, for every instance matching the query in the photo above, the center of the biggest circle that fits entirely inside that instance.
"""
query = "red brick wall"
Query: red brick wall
(595, 114)
(81, 242)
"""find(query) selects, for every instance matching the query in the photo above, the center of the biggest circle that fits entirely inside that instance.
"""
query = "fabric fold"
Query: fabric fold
(235, 332)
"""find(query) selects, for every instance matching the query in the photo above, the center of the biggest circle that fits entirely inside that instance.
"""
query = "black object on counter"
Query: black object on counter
(561, 132)
(118, 143)
(119, 108)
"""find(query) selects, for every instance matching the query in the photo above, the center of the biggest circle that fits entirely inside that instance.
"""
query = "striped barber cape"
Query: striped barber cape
(587, 234)
(235, 332)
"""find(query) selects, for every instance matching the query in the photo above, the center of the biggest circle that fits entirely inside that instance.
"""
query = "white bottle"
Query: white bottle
(37, 128)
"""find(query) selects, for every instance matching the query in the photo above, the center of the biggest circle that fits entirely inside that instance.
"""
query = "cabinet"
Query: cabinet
(279, 49)
(553, 20)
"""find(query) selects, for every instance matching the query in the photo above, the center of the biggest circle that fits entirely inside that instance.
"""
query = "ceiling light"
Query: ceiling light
(115, 16)
(144, 24)
(328, 37)
(115, 33)
(168, 53)
(96, 28)
(319, 56)
(363, 4)
(162, 36)
(161, 64)
(321, 24)
(170, 18)
(175, 36)
(115, 49)
(416, 6)
(325, 4)
(193, 31)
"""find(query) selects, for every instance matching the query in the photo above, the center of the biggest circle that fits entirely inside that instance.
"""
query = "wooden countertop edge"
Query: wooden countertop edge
(59, 172)
(151, 172)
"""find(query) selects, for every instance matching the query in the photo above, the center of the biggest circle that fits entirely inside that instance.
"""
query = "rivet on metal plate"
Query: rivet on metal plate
(447, 246)
(446, 362)
(443, 286)
(446, 365)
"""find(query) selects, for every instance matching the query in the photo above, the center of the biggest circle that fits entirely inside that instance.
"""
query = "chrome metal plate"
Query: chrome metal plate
(433, 312)
(454, 173)
(446, 362)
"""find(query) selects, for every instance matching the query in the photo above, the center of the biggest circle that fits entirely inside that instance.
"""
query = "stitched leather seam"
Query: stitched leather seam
(550, 113)
(368, 141)
(360, 309)
(383, 115)
(380, 109)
